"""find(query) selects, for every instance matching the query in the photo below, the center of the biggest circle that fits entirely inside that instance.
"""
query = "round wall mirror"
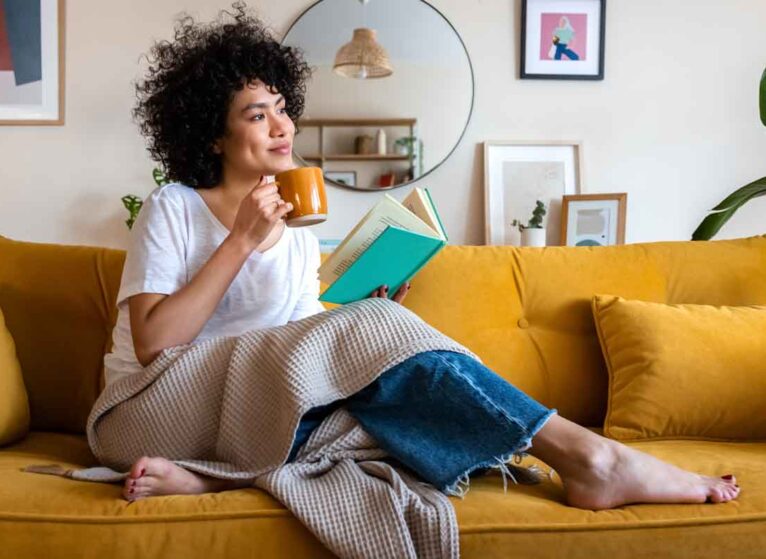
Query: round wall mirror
(391, 93)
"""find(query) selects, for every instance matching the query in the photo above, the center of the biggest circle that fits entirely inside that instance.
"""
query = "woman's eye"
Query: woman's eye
(258, 116)
(283, 110)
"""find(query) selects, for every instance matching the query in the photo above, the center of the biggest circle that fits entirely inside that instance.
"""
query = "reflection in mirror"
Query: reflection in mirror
(399, 99)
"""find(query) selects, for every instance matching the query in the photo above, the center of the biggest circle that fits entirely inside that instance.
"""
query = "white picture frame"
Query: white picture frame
(346, 178)
(32, 87)
(516, 174)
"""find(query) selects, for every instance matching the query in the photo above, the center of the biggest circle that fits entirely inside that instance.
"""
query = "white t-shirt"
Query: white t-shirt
(174, 235)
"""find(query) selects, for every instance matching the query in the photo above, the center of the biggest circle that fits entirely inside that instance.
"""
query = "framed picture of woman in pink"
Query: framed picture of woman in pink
(562, 39)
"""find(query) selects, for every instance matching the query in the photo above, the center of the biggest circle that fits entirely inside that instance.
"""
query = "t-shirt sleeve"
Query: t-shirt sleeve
(308, 301)
(155, 262)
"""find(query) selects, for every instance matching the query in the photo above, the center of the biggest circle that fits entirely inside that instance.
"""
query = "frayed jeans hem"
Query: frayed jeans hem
(531, 475)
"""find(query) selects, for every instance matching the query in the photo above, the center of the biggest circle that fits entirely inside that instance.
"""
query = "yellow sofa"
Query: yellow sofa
(526, 312)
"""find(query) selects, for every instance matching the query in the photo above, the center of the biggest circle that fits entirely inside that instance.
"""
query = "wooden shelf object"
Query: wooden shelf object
(357, 157)
(323, 123)
(358, 122)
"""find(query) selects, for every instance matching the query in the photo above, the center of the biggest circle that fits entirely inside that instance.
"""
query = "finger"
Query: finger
(268, 201)
(283, 210)
(262, 184)
(401, 292)
(261, 190)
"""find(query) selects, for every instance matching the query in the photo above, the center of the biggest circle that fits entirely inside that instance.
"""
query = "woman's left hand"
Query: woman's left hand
(398, 297)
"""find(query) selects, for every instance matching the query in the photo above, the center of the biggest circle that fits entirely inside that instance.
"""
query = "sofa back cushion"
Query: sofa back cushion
(525, 311)
(58, 303)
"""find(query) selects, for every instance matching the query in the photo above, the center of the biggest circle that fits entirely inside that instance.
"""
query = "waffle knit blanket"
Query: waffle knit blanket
(229, 408)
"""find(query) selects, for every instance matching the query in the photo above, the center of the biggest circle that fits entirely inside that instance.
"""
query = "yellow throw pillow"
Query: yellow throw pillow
(683, 371)
(14, 405)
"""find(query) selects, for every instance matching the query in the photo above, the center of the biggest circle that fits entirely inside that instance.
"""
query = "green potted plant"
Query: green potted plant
(412, 147)
(133, 203)
(719, 215)
(533, 233)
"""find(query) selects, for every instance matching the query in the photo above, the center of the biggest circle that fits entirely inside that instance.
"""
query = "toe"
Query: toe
(129, 493)
(139, 495)
(139, 467)
(143, 484)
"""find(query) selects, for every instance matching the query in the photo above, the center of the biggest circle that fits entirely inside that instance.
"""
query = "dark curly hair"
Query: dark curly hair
(184, 100)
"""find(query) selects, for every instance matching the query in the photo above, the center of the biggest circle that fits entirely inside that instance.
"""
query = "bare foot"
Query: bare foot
(157, 476)
(600, 473)
(618, 475)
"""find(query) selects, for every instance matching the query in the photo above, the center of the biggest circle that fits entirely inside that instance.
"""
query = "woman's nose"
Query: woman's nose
(280, 127)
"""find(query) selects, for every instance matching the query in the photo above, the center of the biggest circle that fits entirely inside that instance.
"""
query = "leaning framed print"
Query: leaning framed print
(593, 219)
(516, 175)
(32, 62)
(347, 178)
(562, 39)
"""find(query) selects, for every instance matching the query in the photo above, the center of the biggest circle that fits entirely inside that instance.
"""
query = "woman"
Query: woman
(563, 36)
(210, 255)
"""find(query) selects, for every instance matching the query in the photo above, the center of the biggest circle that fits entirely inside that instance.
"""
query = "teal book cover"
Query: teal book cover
(392, 259)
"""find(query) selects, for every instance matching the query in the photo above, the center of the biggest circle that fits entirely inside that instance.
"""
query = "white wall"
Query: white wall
(674, 123)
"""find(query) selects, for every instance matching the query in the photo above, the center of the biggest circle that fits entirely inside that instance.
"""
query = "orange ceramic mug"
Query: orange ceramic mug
(304, 189)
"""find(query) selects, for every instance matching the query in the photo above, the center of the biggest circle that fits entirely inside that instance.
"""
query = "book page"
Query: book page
(386, 212)
(417, 202)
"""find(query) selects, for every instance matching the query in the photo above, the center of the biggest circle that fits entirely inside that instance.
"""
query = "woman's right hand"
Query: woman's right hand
(258, 213)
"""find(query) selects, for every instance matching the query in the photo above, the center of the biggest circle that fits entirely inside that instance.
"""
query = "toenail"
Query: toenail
(143, 471)
(131, 490)
(727, 476)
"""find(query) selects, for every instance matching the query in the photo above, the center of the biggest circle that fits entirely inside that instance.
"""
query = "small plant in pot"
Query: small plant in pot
(533, 233)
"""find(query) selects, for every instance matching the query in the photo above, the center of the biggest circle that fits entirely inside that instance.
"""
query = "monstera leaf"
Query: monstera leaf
(763, 98)
(723, 211)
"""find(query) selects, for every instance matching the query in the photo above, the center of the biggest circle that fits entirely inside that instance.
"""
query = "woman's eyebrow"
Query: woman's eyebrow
(262, 105)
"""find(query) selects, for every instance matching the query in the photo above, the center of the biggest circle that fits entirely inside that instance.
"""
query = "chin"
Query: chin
(275, 167)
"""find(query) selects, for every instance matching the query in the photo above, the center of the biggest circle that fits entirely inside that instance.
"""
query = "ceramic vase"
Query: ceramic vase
(533, 237)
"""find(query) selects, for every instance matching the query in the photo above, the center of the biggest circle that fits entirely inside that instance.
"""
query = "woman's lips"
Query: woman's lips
(283, 150)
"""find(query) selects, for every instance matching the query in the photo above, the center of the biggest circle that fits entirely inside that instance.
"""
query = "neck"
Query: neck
(235, 187)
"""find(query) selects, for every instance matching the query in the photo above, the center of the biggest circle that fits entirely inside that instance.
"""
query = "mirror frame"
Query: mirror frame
(457, 142)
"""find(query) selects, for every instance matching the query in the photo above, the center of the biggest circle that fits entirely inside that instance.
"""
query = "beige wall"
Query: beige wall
(674, 124)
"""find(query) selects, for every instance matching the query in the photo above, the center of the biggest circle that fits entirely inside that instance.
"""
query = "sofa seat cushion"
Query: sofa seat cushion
(48, 516)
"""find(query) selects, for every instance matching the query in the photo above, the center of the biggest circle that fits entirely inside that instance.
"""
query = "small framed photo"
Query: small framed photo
(562, 39)
(32, 62)
(346, 178)
(593, 219)
(517, 174)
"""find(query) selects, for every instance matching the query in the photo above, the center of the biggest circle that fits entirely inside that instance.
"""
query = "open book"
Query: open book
(388, 246)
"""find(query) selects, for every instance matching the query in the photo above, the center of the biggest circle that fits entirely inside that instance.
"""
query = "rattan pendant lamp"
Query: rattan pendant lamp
(362, 58)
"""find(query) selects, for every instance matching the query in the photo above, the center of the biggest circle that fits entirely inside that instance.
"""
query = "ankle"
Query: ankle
(598, 457)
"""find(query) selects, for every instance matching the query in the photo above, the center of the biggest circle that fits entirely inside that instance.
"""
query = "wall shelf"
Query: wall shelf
(321, 157)
(357, 157)
(357, 122)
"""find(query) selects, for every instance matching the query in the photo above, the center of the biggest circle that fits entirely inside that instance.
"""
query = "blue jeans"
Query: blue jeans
(562, 49)
(442, 414)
